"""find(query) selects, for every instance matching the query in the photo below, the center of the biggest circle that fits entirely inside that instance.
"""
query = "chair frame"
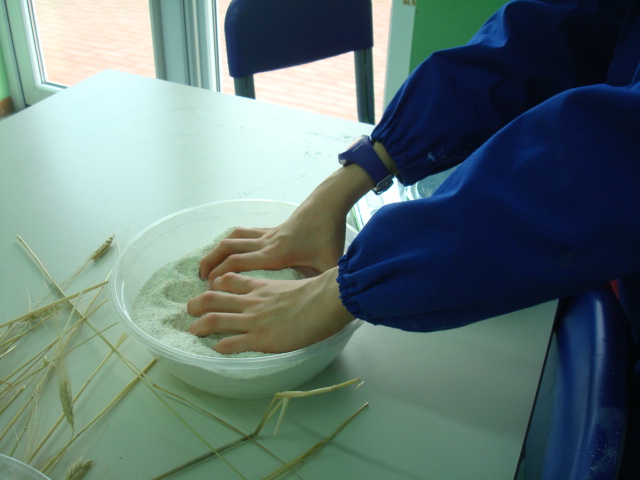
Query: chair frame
(243, 70)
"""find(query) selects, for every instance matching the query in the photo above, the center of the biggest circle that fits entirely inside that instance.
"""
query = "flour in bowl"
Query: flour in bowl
(160, 309)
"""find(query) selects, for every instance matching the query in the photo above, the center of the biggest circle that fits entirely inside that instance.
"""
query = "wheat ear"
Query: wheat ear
(75, 399)
(62, 374)
(53, 461)
(79, 470)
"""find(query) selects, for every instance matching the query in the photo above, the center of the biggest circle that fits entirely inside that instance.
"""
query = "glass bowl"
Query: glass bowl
(180, 234)
(12, 469)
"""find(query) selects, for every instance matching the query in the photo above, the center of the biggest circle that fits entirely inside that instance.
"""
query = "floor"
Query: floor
(81, 37)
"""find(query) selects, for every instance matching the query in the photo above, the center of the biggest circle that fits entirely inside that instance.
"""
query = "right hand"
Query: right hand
(269, 315)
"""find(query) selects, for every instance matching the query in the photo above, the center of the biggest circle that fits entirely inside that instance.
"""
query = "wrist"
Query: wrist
(342, 189)
(385, 158)
(363, 154)
(339, 313)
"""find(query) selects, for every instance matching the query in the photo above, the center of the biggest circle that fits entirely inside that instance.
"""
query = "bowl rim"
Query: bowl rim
(229, 362)
(23, 466)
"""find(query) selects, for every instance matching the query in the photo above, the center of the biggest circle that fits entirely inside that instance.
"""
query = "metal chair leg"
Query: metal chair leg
(364, 85)
(244, 87)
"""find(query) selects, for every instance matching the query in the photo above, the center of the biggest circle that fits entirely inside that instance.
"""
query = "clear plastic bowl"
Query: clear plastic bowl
(12, 469)
(171, 239)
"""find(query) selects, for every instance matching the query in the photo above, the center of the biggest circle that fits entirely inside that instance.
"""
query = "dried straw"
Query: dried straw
(315, 449)
(56, 458)
(39, 311)
(80, 468)
(277, 402)
(75, 399)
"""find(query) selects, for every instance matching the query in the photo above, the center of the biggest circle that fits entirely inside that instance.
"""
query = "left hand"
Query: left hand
(269, 315)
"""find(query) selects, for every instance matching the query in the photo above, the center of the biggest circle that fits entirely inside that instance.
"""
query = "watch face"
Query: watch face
(368, 205)
(384, 185)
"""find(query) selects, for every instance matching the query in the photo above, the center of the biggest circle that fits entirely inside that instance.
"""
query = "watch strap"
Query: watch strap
(361, 152)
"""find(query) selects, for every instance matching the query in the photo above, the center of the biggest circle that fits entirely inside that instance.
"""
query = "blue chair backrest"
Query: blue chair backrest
(578, 424)
(264, 35)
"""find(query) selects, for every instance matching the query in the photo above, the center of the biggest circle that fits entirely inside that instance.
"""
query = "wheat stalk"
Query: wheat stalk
(75, 399)
(26, 435)
(29, 367)
(140, 376)
(96, 255)
(315, 449)
(29, 403)
(16, 394)
(118, 353)
(46, 273)
(77, 471)
(279, 400)
(56, 458)
(245, 437)
(38, 311)
(64, 385)
(8, 344)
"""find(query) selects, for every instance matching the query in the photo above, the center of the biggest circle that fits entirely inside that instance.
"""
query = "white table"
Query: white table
(117, 152)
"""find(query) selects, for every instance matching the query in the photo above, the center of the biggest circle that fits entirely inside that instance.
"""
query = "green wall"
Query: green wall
(445, 24)
(4, 85)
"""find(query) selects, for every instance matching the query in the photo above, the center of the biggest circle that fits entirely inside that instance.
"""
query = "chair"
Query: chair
(577, 429)
(270, 35)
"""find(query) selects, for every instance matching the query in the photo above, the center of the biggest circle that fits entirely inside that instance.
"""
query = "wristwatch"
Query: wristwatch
(361, 152)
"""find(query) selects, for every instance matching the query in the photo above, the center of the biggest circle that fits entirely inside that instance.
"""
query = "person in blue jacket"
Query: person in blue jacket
(541, 113)
(541, 109)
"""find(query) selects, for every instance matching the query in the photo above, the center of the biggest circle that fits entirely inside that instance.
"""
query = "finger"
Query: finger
(241, 232)
(233, 283)
(225, 248)
(246, 262)
(235, 344)
(217, 323)
(211, 301)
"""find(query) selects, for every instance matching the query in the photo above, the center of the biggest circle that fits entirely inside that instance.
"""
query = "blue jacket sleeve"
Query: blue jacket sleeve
(526, 53)
(544, 105)
(548, 207)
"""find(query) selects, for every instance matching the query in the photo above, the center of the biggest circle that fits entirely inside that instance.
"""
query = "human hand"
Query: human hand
(269, 315)
(310, 241)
